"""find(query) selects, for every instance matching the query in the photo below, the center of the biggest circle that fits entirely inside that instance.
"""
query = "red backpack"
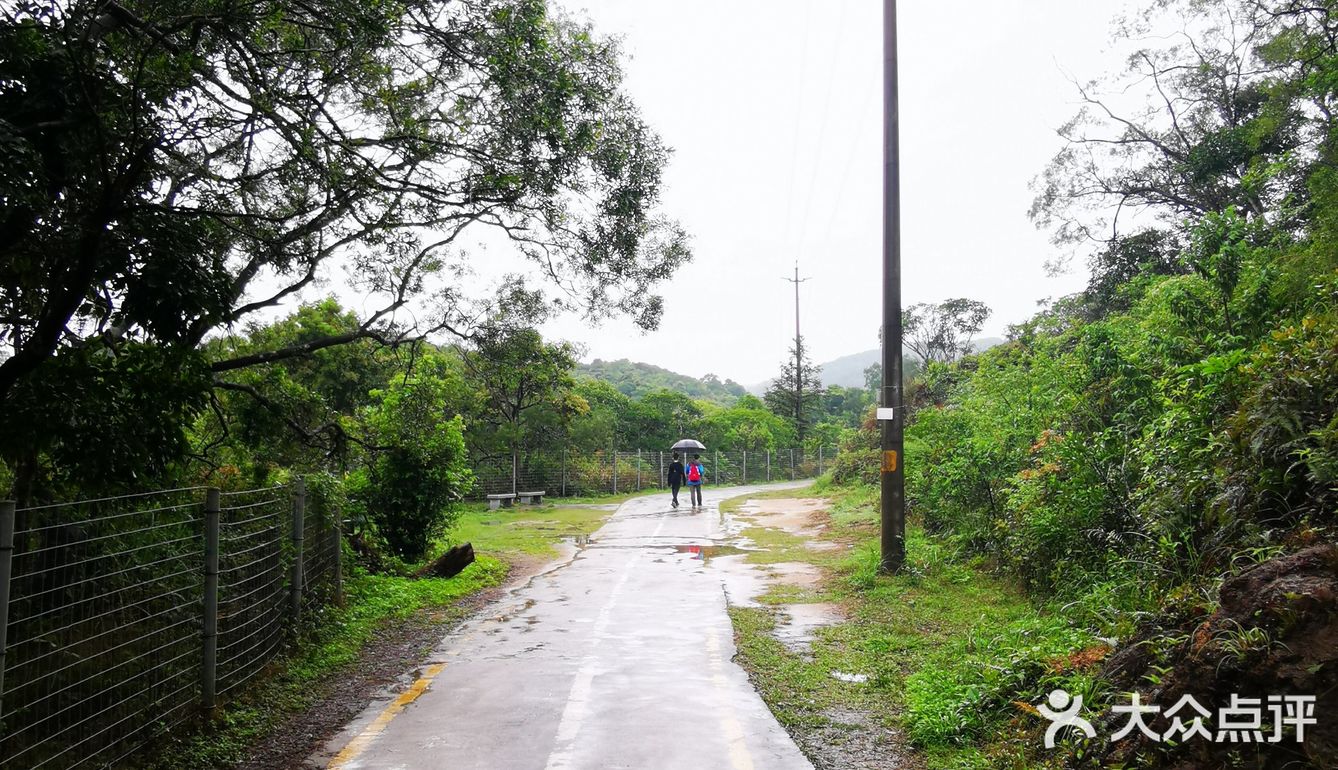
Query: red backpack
(695, 472)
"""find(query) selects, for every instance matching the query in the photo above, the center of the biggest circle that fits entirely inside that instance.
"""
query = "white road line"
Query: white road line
(578, 699)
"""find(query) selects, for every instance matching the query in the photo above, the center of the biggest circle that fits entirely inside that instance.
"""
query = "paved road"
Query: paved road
(619, 657)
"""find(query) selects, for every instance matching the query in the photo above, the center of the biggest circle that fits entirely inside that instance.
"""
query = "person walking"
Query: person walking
(676, 476)
(696, 475)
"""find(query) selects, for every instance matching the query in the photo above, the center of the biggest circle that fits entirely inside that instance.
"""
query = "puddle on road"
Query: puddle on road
(798, 624)
(708, 552)
(799, 517)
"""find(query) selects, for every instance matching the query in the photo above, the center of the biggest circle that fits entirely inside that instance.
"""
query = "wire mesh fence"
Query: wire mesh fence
(123, 617)
(105, 613)
(571, 473)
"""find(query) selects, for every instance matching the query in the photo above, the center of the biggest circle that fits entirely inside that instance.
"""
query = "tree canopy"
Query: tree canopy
(170, 169)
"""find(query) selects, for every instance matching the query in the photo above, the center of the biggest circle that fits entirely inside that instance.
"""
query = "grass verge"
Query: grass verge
(951, 656)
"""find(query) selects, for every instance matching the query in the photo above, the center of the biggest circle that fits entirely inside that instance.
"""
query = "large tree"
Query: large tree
(942, 332)
(517, 372)
(170, 168)
(1239, 109)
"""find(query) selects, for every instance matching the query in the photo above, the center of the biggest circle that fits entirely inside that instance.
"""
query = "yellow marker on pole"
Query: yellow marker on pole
(890, 461)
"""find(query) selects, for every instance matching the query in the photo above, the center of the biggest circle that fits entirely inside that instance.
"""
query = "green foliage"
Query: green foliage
(860, 458)
(796, 393)
(409, 484)
(973, 680)
(95, 423)
(748, 426)
(1180, 411)
(1281, 463)
(165, 177)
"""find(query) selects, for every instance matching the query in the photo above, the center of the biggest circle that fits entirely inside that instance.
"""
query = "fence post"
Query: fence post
(7, 514)
(717, 467)
(660, 478)
(209, 637)
(638, 470)
(339, 557)
(819, 461)
(614, 453)
(791, 464)
(299, 513)
(745, 466)
(768, 466)
(564, 472)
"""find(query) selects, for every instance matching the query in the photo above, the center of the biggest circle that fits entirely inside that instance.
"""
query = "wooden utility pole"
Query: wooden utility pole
(892, 415)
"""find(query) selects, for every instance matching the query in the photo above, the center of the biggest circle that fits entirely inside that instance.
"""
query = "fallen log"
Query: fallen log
(449, 564)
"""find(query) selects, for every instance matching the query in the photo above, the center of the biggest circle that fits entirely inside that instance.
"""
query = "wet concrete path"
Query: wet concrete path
(617, 657)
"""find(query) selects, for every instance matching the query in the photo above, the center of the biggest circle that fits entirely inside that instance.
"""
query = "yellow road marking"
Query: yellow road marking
(359, 744)
(739, 758)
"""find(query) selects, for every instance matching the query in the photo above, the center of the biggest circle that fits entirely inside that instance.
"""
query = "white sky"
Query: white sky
(773, 108)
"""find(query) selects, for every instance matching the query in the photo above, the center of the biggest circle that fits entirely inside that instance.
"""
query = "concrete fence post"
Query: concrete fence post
(660, 479)
(614, 454)
(819, 461)
(717, 466)
(564, 473)
(299, 514)
(209, 636)
(768, 465)
(7, 515)
(745, 466)
(638, 470)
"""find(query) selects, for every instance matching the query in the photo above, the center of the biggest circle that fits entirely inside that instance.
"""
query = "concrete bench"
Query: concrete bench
(500, 501)
(534, 498)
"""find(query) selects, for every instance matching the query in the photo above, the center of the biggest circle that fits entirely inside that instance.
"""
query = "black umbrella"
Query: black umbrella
(688, 444)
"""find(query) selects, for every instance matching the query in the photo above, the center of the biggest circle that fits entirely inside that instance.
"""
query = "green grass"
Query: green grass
(529, 530)
(947, 647)
(336, 637)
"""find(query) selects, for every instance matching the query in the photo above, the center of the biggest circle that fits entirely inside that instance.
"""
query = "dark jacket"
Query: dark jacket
(676, 475)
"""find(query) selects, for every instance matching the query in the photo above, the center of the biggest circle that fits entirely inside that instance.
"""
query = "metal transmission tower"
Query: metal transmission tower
(891, 414)
(798, 358)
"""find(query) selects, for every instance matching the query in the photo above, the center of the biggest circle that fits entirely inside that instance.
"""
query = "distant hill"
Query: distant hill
(848, 371)
(636, 379)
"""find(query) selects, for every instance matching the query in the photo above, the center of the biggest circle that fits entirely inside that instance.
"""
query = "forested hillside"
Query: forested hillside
(634, 379)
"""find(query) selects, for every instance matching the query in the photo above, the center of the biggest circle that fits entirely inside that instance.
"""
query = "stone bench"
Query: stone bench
(500, 501)
(534, 498)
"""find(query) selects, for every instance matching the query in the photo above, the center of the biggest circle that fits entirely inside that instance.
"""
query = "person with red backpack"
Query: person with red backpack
(696, 474)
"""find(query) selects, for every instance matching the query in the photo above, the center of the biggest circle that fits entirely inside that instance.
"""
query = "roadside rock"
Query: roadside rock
(1275, 632)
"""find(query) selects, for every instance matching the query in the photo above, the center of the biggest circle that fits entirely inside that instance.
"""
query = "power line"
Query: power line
(822, 125)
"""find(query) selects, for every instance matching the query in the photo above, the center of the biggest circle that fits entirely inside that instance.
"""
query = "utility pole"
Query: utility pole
(798, 358)
(892, 415)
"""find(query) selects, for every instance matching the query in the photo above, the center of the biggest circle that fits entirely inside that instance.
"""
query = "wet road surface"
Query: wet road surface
(618, 657)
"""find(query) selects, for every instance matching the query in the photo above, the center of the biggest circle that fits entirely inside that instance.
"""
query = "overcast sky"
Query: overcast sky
(773, 108)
